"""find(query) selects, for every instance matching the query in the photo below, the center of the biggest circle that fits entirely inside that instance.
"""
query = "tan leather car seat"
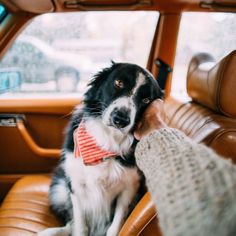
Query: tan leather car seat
(25, 210)
(210, 118)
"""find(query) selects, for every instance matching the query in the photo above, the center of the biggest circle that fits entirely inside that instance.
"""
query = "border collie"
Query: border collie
(91, 195)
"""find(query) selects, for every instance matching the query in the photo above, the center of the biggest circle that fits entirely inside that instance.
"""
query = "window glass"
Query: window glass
(59, 53)
(213, 33)
(3, 13)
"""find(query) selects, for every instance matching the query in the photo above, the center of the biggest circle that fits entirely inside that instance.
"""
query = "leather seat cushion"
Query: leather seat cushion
(25, 210)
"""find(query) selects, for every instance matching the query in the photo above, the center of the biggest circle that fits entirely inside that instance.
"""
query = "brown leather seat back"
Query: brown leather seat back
(215, 87)
(211, 115)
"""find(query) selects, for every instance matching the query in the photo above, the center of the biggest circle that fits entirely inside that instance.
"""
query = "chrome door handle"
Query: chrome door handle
(10, 120)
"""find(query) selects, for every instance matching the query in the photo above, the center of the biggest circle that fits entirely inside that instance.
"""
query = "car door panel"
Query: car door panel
(32, 132)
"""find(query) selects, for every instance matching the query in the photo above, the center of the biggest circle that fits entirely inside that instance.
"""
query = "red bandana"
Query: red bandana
(87, 148)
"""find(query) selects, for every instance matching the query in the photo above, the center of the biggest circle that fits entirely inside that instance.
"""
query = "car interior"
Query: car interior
(32, 127)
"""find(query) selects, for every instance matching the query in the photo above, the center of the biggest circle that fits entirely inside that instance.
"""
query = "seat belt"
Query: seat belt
(163, 71)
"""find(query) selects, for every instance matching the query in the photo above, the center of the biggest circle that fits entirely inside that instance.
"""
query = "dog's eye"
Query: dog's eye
(146, 100)
(119, 83)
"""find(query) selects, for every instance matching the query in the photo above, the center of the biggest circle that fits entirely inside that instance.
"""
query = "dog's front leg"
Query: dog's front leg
(58, 231)
(79, 225)
(121, 211)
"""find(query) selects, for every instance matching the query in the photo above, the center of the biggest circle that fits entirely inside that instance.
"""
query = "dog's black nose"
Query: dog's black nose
(120, 118)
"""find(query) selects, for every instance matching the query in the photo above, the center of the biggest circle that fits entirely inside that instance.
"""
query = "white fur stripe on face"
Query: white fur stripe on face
(139, 82)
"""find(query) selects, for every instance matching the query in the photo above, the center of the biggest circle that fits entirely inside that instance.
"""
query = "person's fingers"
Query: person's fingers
(155, 106)
(158, 107)
(138, 124)
(138, 129)
(152, 118)
(137, 135)
(158, 102)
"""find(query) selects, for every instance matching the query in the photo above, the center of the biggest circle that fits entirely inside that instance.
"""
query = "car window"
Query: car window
(213, 33)
(59, 53)
(3, 13)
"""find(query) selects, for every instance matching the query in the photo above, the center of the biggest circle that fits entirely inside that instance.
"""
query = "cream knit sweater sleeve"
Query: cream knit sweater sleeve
(194, 190)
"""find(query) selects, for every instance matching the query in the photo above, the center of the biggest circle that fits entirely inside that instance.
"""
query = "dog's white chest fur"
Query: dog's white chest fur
(96, 187)
(108, 176)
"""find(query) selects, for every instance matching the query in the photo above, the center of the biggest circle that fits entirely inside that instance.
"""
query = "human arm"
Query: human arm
(194, 190)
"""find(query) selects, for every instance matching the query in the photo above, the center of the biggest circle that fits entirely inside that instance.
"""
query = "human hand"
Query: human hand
(153, 119)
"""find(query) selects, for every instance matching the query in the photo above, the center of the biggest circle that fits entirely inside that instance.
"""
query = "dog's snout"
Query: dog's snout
(120, 118)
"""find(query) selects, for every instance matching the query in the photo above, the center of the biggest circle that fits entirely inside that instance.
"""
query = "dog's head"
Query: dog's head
(118, 95)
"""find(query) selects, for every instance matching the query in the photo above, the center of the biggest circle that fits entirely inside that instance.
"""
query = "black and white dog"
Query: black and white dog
(94, 199)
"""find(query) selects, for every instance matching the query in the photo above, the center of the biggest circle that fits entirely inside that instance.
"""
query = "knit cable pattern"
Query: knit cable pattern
(194, 189)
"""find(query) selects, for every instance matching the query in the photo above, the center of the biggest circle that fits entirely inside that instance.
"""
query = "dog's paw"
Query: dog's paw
(46, 232)
(83, 231)
(54, 232)
(111, 232)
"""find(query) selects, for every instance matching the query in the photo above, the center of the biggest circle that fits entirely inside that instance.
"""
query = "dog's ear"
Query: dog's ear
(112, 62)
(101, 75)
(98, 79)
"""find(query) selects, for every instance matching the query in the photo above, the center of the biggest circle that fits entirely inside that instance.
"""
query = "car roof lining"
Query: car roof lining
(171, 6)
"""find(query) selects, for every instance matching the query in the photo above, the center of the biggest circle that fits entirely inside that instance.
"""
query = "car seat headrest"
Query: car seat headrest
(213, 85)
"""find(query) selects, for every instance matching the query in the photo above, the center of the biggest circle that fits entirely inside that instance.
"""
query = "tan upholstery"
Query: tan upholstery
(25, 210)
(208, 119)
(214, 88)
(205, 126)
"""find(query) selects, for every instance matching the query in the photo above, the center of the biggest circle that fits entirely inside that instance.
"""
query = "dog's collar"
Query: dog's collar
(87, 148)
